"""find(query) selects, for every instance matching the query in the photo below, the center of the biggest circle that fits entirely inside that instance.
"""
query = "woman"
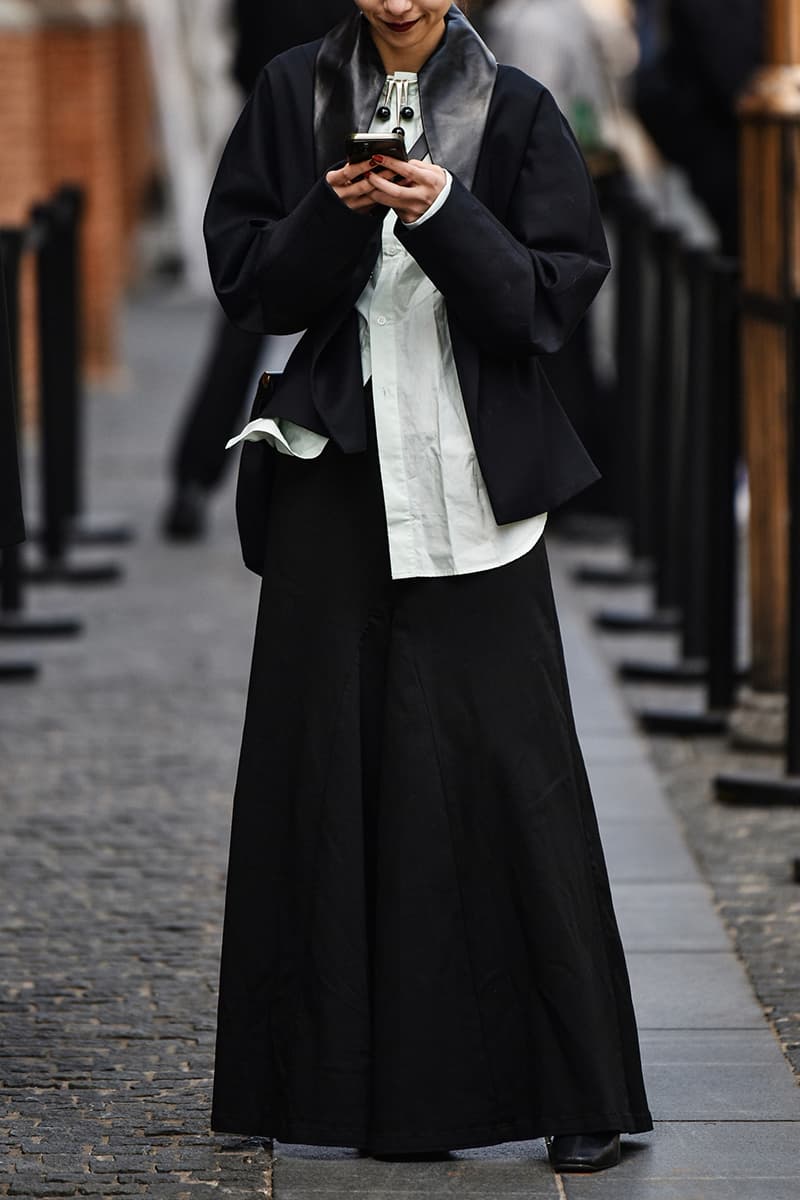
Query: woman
(419, 952)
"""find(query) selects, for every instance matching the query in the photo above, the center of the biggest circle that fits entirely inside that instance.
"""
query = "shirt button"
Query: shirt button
(380, 320)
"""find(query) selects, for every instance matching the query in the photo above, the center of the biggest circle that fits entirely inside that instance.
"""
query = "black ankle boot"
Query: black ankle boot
(583, 1152)
(185, 518)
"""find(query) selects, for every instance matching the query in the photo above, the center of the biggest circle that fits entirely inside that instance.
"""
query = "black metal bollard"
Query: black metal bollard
(11, 584)
(11, 516)
(689, 532)
(667, 463)
(723, 445)
(69, 205)
(714, 429)
(631, 353)
(71, 202)
(14, 621)
(53, 236)
(657, 465)
(55, 392)
(632, 337)
(695, 512)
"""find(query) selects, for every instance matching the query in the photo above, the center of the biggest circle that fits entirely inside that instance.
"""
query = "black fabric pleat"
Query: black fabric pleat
(420, 950)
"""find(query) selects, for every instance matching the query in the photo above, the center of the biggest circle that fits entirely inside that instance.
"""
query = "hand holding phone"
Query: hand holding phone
(413, 188)
(354, 186)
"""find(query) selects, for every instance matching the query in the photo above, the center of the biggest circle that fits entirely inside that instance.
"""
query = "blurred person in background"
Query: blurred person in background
(686, 93)
(223, 388)
(190, 50)
(577, 51)
(583, 51)
(419, 951)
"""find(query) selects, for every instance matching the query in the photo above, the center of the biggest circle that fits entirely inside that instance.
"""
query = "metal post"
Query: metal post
(10, 250)
(668, 432)
(632, 350)
(715, 428)
(58, 400)
(55, 414)
(654, 486)
(14, 621)
(635, 416)
(83, 529)
(69, 205)
(793, 712)
(10, 588)
(694, 517)
(723, 457)
(712, 351)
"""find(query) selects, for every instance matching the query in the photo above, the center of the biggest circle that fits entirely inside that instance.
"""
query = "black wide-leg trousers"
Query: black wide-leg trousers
(420, 950)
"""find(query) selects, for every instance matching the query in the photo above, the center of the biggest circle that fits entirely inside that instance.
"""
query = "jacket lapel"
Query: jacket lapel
(456, 86)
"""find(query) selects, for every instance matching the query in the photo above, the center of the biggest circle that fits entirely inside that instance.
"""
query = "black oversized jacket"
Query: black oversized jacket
(518, 261)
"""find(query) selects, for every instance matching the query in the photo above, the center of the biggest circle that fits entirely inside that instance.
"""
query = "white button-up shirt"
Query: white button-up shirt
(438, 516)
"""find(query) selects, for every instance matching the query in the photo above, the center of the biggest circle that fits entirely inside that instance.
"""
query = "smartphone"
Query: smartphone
(362, 146)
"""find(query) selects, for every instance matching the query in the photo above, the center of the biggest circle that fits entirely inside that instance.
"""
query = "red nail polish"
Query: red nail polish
(377, 158)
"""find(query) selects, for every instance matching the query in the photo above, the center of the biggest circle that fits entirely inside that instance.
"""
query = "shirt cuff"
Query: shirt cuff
(284, 436)
(434, 208)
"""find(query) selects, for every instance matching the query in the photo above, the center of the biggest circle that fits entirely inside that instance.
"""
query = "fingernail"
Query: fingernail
(377, 158)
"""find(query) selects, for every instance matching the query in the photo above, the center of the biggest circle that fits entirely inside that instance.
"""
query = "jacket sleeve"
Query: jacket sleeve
(520, 287)
(276, 267)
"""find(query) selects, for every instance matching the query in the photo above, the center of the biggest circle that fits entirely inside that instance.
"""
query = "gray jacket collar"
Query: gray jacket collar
(455, 85)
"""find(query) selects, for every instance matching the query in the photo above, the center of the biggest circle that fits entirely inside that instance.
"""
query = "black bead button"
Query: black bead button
(406, 112)
(384, 112)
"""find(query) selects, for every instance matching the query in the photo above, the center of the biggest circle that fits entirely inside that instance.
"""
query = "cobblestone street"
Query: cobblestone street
(116, 776)
(117, 771)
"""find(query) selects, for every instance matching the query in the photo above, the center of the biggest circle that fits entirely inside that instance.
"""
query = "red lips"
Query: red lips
(401, 28)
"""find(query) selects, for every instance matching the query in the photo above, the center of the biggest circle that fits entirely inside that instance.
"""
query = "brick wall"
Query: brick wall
(82, 145)
(21, 148)
(76, 107)
(21, 163)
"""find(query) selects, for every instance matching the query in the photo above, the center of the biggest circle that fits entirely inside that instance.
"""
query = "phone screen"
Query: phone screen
(362, 146)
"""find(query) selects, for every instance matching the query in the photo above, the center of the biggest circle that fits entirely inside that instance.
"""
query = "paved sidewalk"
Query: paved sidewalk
(744, 852)
(117, 772)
